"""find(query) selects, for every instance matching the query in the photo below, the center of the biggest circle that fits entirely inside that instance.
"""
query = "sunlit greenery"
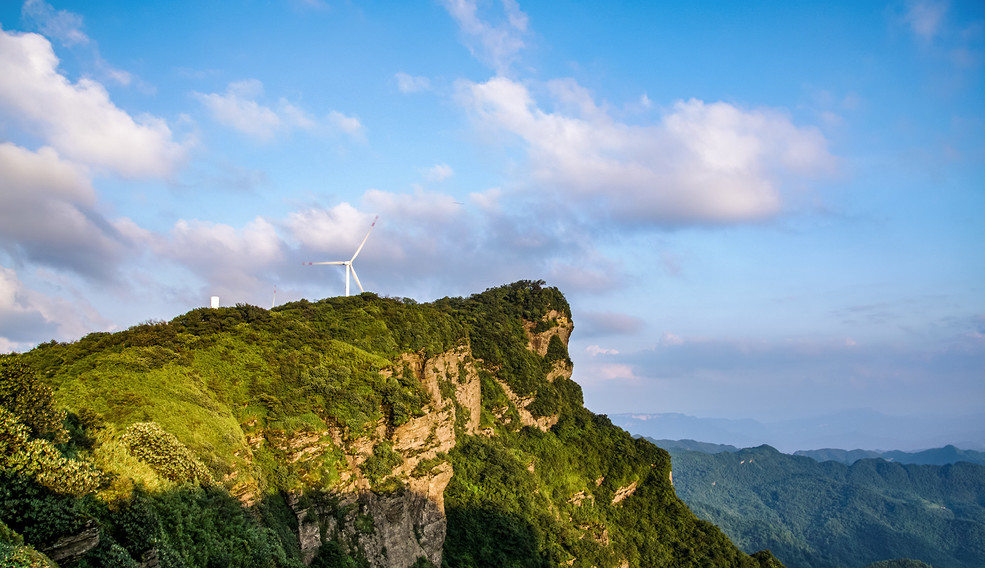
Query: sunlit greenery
(146, 435)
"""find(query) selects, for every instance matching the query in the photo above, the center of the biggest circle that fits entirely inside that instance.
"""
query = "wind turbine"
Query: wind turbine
(348, 263)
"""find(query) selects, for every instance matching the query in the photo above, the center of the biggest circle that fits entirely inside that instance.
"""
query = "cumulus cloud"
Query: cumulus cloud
(48, 214)
(347, 124)
(238, 109)
(495, 44)
(423, 236)
(617, 372)
(27, 315)
(231, 260)
(78, 119)
(336, 230)
(439, 172)
(702, 163)
(412, 84)
(595, 350)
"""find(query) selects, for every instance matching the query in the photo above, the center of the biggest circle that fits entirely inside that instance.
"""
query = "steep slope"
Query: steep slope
(358, 431)
(829, 514)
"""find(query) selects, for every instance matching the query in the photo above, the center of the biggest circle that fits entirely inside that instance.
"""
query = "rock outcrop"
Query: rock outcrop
(394, 527)
(67, 549)
(400, 518)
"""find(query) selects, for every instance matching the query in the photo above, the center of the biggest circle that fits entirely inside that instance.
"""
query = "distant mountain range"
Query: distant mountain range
(850, 429)
(937, 456)
(826, 514)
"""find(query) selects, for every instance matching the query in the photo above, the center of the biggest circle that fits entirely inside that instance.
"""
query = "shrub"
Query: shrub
(23, 394)
(171, 459)
(40, 460)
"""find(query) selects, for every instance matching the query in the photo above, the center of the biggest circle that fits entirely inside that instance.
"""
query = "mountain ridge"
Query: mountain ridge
(934, 456)
(853, 429)
(359, 431)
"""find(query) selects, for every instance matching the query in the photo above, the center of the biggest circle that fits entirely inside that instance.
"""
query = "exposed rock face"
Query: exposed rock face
(624, 492)
(560, 326)
(395, 527)
(69, 548)
(526, 417)
(404, 521)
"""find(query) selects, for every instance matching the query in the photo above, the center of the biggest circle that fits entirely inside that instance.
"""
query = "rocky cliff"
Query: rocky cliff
(358, 431)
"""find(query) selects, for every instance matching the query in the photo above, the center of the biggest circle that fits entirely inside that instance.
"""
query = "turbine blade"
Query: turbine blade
(364, 239)
(358, 283)
(333, 262)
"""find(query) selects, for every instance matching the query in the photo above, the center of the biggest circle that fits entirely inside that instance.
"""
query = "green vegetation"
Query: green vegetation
(500, 513)
(830, 514)
(202, 441)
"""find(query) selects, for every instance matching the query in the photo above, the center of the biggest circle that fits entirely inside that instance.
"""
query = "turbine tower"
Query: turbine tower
(348, 263)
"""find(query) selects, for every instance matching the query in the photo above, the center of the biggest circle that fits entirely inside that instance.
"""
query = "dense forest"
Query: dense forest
(348, 432)
(828, 514)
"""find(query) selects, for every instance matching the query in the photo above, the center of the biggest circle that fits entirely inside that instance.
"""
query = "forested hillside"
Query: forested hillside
(829, 514)
(348, 432)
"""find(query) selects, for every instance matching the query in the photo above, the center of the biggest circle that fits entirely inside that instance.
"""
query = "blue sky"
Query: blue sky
(755, 209)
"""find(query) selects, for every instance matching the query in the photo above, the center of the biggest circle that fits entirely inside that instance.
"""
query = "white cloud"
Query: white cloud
(617, 372)
(348, 124)
(488, 200)
(239, 109)
(439, 172)
(210, 244)
(62, 25)
(48, 215)
(669, 338)
(495, 44)
(595, 350)
(950, 36)
(926, 17)
(27, 315)
(79, 120)
(232, 261)
(422, 206)
(337, 230)
(702, 163)
(412, 84)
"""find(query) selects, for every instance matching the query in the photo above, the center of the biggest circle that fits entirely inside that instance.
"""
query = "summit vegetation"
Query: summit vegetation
(348, 432)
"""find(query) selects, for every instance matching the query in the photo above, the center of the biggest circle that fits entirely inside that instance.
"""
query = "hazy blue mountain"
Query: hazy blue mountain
(850, 429)
(694, 446)
(936, 456)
